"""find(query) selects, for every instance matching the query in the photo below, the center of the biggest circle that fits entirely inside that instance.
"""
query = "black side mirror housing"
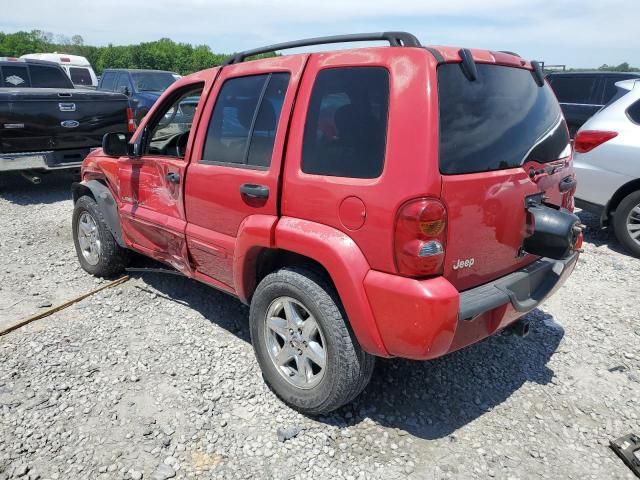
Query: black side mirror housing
(115, 144)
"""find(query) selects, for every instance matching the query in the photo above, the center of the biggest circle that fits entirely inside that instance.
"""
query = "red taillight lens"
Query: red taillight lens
(420, 238)
(131, 123)
(65, 59)
(587, 140)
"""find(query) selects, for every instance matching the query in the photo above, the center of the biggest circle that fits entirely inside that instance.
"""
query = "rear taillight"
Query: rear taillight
(65, 59)
(420, 238)
(131, 122)
(587, 140)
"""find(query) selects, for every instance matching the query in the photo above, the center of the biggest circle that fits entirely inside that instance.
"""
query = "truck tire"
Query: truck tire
(626, 223)
(307, 354)
(98, 252)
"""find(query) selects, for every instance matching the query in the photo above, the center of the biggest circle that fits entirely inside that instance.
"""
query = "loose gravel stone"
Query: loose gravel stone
(288, 433)
(163, 472)
(157, 377)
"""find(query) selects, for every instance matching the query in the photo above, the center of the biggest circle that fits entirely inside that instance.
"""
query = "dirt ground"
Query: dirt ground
(156, 378)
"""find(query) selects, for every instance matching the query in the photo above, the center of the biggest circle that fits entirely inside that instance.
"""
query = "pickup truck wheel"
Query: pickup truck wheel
(303, 345)
(626, 223)
(97, 250)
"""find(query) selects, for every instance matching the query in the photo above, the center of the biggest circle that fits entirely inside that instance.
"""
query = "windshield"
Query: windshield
(152, 81)
(499, 121)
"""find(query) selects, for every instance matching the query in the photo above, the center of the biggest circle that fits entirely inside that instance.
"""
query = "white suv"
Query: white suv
(607, 163)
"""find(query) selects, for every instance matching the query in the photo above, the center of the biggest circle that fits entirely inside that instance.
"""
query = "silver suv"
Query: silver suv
(607, 163)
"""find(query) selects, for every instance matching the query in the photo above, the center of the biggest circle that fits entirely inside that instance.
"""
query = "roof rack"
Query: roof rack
(395, 39)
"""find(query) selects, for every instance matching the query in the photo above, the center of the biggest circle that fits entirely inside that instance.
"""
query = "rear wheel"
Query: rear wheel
(97, 250)
(626, 223)
(302, 343)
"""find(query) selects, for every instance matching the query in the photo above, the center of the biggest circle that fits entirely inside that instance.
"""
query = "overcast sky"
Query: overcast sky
(579, 33)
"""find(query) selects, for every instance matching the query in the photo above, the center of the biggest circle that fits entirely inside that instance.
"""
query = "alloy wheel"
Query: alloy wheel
(295, 343)
(89, 238)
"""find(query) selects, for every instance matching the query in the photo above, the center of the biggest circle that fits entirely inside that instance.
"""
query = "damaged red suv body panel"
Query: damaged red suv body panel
(197, 202)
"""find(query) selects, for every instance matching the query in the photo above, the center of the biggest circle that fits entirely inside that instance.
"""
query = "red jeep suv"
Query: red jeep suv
(400, 201)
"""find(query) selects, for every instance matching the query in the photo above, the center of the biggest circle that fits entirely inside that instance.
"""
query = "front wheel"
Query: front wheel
(303, 345)
(626, 223)
(98, 252)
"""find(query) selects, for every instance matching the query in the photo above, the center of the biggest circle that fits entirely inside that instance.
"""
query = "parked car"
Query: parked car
(77, 68)
(607, 162)
(391, 201)
(143, 87)
(582, 94)
(47, 124)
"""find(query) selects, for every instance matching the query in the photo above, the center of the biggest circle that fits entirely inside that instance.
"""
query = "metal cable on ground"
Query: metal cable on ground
(57, 308)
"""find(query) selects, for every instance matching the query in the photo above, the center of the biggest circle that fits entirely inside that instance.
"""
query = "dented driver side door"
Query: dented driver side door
(151, 185)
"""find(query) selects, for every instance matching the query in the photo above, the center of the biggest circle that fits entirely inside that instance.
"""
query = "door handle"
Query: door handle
(173, 177)
(251, 190)
(567, 184)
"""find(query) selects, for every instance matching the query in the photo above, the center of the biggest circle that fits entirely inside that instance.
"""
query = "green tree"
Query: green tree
(163, 54)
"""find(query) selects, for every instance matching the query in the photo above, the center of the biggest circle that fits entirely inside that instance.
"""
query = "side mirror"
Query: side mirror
(115, 144)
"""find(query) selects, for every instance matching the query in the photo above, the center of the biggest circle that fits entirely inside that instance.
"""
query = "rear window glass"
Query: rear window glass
(80, 76)
(501, 120)
(345, 131)
(15, 77)
(578, 89)
(48, 77)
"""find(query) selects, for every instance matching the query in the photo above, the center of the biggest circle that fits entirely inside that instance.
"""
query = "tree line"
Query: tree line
(163, 54)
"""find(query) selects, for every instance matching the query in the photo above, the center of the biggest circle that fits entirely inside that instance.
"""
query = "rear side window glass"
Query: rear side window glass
(15, 77)
(578, 89)
(80, 76)
(48, 77)
(345, 130)
(634, 112)
(499, 121)
(244, 121)
(108, 81)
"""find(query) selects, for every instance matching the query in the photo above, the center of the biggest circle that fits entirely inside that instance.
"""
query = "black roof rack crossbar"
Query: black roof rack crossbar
(395, 39)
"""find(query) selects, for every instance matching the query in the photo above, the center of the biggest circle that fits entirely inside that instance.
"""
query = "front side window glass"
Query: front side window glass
(170, 130)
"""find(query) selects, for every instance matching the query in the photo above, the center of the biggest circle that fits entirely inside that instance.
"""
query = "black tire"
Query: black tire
(625, 207)
(348, 368)
(112, 258)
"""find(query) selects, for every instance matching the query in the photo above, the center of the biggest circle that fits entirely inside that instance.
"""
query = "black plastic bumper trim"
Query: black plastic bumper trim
(525, 289)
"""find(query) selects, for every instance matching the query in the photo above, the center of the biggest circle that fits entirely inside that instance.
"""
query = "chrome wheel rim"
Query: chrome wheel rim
(89, 238)
(295, 343)
(633, 224)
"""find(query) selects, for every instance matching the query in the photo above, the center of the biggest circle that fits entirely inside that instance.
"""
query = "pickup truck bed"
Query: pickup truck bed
(50, 128)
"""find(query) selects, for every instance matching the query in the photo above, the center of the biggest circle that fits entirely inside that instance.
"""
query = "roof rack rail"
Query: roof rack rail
(395, 39)
(509, 52)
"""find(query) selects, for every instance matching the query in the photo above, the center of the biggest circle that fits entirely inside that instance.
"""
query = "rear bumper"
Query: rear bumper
(425, 319)
(49, 160)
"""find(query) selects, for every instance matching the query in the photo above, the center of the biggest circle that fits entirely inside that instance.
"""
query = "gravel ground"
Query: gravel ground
(156, 379)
